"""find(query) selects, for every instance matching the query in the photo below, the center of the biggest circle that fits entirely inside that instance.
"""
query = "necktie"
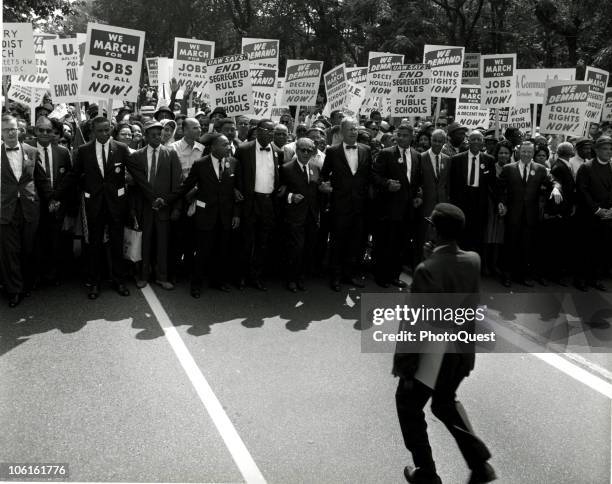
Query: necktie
(220, 168)
(473, 172)
(153, 166)
(305, 173)
(351, 147)
(437, 166)
(47, 165)
(267, 148)
(16, 148)
(103, 158)
(525, 173)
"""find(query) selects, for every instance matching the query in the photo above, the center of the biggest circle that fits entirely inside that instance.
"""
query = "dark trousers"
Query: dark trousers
(559, 235)
(321, 253)
(16, 250)
(155, 233)
(475, 221)
(346, 242)
(300, 242)
(519, 250)
(95, 248)
(50, 246)
(182, 242)
(257, 230)
(211, 255)
(596, 253)
(412, 396)
(393, 244)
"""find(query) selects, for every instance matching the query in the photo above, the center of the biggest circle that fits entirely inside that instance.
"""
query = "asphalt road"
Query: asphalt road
(97, 385)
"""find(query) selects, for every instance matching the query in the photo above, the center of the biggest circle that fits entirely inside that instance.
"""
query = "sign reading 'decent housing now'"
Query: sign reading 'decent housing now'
(302, 79)
(113, 59)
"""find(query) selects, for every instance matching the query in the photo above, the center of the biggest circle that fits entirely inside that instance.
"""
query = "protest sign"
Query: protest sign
(302, 78)
(263, 81)
(63, 59)
(113, 59)
(411, 94)
(354, 99)
(565, 104)
(190, 59)
(23, 95)
(357, 75)
(497, 77)
(606, 114)
(446, 64)
(380, 66)
(530, 83)
(261, 52)
(17, 49)
(598, 80)
(520, 117)
(471, 69)
(469, 113)
(229, 80)
(335, 87)
(40, 79)
(164, 74)
(502, 115)
(152, 70)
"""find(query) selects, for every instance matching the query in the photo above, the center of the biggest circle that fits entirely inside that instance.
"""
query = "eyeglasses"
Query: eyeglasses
(265, 130)
(10, 130)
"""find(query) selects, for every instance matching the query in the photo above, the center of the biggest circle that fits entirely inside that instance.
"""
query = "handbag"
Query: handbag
(132, 244)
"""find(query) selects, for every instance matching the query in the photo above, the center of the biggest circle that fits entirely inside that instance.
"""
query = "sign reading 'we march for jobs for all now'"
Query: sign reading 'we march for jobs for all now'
(190, 59)
(498, 80)
(302, 79)
(113, 59)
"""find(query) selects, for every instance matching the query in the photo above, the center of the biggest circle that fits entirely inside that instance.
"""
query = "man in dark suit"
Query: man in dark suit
(346, 170)
(396, 173)
(434, 184)
(594, 181)
(471, 180)
(50, 245)
(217, 212)
(163, 169)
(448, 269)
(520, 186)
(258, 184)
(558, 226)
(99, 168)
(301, 182)
(23, 185)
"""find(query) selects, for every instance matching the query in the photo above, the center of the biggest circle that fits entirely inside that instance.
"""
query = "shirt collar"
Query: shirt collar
(259, 147)
(565, 162)
(440, 247)
(100, 144)
(344, 145)
(472, 155)
(214, 158)
(41, 147)
(603, 162)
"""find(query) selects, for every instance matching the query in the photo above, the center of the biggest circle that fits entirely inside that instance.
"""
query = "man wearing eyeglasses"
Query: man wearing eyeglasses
(23, 184)
(258, 185)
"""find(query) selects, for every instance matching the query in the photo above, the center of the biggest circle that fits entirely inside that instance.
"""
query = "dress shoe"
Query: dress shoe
(353, 281)
(292, 286)
(93, 292)
(382, 284)
(14, 300)
(416, 476)
(121, 289)
(257, 284)
(140, 283)
(399, 283)
(195, 292)
(484, 474)
(600, 286)
(335, 285)
(168, 286)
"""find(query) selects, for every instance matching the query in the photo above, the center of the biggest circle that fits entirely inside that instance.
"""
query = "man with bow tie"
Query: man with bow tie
(471, 180)
(217, 211)
(396, 172)
(521, 183)
(23, 184)
(163, 168)
(99, 169)
(258, 184)
(346, 174)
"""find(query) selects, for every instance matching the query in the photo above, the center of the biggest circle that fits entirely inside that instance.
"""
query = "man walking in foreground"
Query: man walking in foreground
(448, 269)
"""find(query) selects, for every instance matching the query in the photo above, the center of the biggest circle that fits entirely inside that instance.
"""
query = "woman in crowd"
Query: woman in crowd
(169, 128)
(423, 142)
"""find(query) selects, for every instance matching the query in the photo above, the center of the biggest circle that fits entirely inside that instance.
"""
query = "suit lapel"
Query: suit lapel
(6, 166)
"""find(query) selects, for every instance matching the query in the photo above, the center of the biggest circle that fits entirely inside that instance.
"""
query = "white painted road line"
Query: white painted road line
(247, 466)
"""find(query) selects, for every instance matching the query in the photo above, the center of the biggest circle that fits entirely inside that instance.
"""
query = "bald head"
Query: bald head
(565, 150)
(191, 130)
(304, 149)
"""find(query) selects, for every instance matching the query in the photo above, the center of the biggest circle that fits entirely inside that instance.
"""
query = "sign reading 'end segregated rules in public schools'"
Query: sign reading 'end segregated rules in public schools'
(302, 79)
(113, 59)
(229, 80)
(498, 80)
(565, 105)
(446, 64)
(411, 94)
(190, 60)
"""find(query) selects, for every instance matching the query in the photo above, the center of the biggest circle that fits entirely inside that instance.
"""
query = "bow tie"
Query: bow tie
(267, 148)
(16, 148)
(351, 147)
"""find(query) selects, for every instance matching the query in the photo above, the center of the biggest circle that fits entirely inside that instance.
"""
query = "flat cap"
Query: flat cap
(454, 126)
(603, 140)
(164, 109)
(152, 124)
(583, 140)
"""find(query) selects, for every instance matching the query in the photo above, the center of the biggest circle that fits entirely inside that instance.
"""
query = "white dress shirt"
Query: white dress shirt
(150, 160)
(407, 157)
(41, 154)
(432, 159)
(99, 147)
(264, 169)
(352, 157)
(575, 163)
(187, 154)
(523, 167)
(471, 156)
(15, 159)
